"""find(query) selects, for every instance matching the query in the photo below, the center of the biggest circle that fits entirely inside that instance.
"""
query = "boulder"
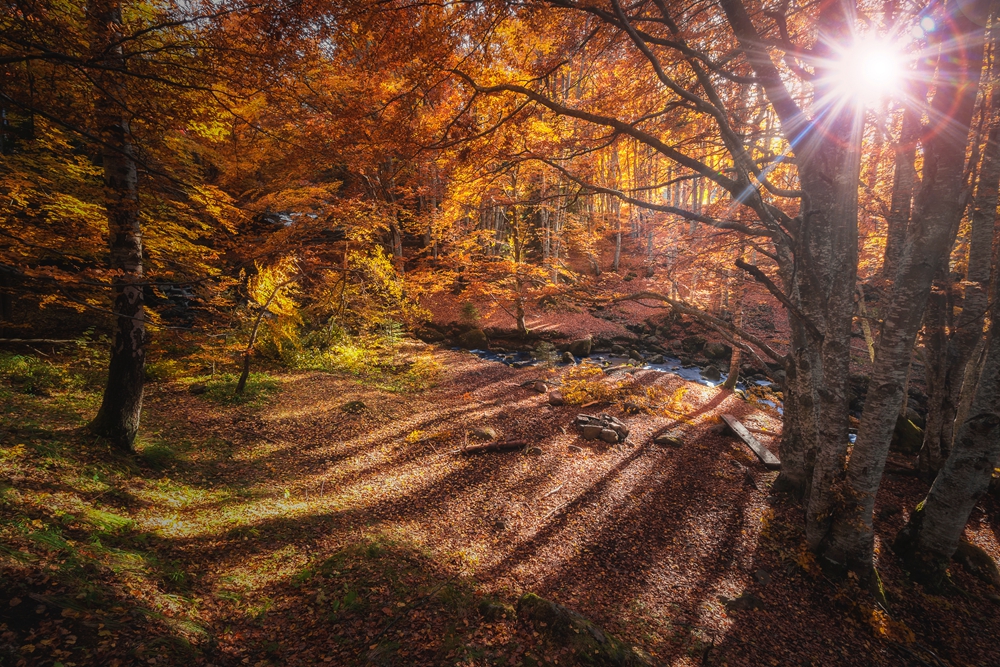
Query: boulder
(693, 344)
(568, 358)
(907, 437)
(587, 643)
(668, 440)
(594, 427)
(198, 388)
(429, 335)
(711, 373)
(535, 451)
(581, 347)
(485, 433)
(718, 351)
(556, 398)
(540, 387)
(657, 359)
(474, 339)
(742, 603)
(915, 417)
(634, 354)
(618, 349)
(492, 610)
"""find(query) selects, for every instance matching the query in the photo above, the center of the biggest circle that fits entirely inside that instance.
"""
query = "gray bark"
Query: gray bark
(931, 537)
(938, 205)
(952, 338)
(121, 407)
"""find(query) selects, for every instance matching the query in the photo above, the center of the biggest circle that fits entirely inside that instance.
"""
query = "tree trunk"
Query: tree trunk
(931, 537)
(737, 306)
(904, 178)
(118, 417)
(953, 338)
(850, 542)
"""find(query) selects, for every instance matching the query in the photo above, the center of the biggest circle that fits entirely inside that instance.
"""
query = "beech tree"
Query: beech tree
(802, 195)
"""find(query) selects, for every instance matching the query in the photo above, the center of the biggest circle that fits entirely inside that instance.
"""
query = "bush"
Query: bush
(33, 376)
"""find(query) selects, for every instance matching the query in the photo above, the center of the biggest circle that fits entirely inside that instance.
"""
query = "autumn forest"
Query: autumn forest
(499, 332)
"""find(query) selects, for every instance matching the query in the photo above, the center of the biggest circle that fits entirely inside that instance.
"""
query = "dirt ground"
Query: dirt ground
(301, 533)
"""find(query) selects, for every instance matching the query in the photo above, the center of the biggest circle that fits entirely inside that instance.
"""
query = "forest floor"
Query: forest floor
(325, 520)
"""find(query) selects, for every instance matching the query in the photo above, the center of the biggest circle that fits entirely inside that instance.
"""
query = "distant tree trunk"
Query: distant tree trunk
(118, 417)
(737, 305)
(248, 353)
(931, 536)
(904, 177)
(938, 205)
(519, 308)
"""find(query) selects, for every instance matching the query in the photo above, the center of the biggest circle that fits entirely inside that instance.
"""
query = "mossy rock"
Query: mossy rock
(589, 643)
(492, 610)
(907, 437)
(474, 339)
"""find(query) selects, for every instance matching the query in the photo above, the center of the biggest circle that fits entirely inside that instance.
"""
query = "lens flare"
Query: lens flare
(869, 70)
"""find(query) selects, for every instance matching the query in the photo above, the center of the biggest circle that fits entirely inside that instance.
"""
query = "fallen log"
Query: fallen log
(769, 460)
(508, 446)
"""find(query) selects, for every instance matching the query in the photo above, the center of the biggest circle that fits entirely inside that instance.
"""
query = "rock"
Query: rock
(675, 344)
(429, 335)
(608, 435)
(499, 525)
(657, 359)
(595, 427)
(556, 398)
(474, 339)
(198, 388)
(491, 610)
(485, 433)
(907, 437)
(568, 358)
(762, 577)
(693, 344)
(618, 350)
(587, 643)
(581, 347)
(978, 562)
(634, 354)
(574, 448)
(717, 351)
(535, 451)
(540, 387)
(353, 407)
(711, 373)
(742, 603)
(668, 440)
(915, 417)
(591, 432)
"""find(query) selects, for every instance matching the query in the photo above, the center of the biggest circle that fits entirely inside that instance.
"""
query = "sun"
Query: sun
(869, 70)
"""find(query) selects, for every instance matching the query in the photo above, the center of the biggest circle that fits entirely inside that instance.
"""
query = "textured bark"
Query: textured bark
(953, 339)
(904, 177)
(818, 266)
(850, 541)
(931, 537)
(118, 417)
(827, 248)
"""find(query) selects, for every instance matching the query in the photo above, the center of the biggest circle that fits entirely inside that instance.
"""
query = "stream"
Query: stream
(610, 362)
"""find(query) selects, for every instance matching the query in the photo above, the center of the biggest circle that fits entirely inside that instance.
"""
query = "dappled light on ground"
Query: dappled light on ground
(298, 530)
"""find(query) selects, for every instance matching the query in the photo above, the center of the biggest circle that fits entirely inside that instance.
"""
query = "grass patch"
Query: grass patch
(376, 361)
(221, 389)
